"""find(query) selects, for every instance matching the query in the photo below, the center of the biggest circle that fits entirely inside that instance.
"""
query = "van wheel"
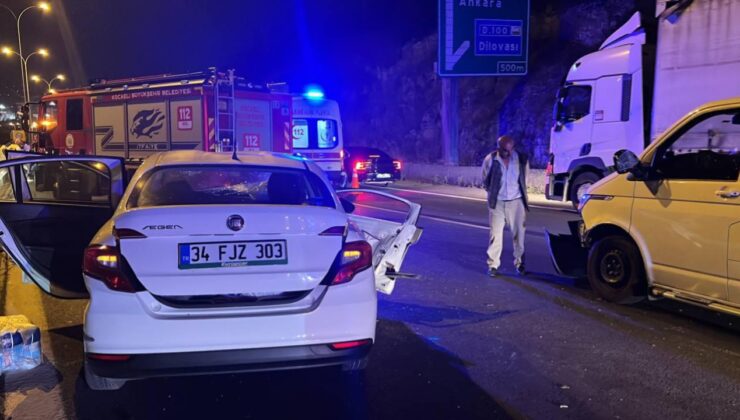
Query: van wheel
(616, 271)
(580, 185)
(98, 383)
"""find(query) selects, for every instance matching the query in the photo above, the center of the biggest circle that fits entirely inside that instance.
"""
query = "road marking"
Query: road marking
(481, 200)
(438, 219)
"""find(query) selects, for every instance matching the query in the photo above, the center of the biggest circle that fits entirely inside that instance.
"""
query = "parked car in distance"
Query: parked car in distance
(371, 165)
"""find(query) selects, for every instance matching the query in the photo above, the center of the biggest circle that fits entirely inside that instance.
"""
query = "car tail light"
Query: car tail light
(397, 164)
(346, 345)
(362, 165)
(355, 257)
(105, 264)
(108, 357)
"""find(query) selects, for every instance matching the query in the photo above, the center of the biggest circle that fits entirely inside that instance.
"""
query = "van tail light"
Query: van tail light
(354, 258)
(397, 165)
(549, 169)
(362, 165)
(104, 263)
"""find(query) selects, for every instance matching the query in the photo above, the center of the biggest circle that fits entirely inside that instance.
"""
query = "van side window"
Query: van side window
(708, 149)
(574, 103)
(74, 114)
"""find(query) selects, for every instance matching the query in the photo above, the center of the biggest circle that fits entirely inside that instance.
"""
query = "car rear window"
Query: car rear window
(196, 185)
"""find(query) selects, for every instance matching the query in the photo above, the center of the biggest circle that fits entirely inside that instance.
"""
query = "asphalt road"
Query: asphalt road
(453, 344)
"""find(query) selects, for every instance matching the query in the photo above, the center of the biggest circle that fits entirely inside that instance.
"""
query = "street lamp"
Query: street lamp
(45, 8)
(24, 65)
(39, 79)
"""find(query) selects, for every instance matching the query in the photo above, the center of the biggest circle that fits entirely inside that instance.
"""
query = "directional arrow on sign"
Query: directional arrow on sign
(451, 58)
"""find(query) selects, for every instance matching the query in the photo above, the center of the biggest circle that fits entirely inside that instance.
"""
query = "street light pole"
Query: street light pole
(42, 52)
(24, 80)
(24, 66)
(49, 83)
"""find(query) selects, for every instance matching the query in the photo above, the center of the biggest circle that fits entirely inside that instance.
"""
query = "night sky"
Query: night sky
(329, 42)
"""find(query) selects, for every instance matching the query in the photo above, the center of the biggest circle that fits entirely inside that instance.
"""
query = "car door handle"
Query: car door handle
(728, 194)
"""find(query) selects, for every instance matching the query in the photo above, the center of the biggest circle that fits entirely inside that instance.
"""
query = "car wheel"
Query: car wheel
(580, 185)
(98, 383)
(615, 270)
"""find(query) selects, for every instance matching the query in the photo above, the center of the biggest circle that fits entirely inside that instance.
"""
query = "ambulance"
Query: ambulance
(317, 133)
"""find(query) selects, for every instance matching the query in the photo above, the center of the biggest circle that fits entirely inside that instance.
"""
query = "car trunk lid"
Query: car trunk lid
(165, 260)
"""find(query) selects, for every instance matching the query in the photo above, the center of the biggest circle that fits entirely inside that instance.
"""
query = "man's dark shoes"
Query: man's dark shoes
(492, 272)
(521, 270)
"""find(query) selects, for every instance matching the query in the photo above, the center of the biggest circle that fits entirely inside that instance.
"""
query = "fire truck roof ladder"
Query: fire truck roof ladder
(224, 97)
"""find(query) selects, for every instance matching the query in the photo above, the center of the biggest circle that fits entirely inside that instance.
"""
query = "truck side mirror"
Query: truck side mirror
(625, 161)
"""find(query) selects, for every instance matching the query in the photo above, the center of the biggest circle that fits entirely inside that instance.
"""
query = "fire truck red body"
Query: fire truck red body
(133, 118)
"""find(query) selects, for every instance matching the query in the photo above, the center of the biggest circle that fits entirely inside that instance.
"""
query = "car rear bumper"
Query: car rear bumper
(371, 177)
(142, 366)
(136, 323)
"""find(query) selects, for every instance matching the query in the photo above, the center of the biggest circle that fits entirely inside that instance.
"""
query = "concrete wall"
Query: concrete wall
(463, 176)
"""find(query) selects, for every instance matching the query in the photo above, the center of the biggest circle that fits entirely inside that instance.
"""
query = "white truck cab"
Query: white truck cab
(666, 224)
(317, 133)
(644, 77)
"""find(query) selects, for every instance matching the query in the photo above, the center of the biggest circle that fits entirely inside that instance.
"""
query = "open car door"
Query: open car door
(389, 225)
(50, 209)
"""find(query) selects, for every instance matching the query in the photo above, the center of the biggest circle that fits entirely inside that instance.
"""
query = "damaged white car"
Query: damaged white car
(205, 262)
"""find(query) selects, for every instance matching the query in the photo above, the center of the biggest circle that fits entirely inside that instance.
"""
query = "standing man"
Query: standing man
(505, 181)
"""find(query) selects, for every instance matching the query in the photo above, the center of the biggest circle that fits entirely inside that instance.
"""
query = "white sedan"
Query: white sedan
(204, 263)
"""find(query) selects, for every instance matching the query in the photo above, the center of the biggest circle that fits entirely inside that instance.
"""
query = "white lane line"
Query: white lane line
(442, 220)
(438, 219)
(481, 200)
(462, 197)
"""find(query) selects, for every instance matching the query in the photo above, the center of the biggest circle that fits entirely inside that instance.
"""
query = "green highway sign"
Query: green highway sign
(483, 37)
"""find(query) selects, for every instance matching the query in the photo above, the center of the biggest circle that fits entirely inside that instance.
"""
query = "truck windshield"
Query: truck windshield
(574, 103)
(51, 114)
(220, 184)
(315, 133)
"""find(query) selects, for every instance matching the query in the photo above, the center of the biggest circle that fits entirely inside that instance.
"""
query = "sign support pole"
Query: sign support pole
(450, 132)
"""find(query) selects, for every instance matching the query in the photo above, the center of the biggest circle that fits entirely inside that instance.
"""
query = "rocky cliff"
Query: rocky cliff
(399, 110)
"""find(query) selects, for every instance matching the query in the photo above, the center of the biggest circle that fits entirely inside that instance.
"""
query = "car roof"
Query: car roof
(198, 157)
(365, 150)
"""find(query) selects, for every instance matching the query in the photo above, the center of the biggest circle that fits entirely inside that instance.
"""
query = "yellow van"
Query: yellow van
(666, 224)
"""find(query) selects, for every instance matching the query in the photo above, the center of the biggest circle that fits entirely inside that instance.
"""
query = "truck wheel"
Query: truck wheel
(98, 383)
(580, 185)
(615, 270)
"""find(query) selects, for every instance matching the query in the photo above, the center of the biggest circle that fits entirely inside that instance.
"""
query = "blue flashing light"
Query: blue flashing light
(313, 93)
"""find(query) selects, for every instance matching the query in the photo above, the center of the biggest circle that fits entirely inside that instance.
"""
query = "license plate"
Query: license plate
(383, 176)
(231, 254)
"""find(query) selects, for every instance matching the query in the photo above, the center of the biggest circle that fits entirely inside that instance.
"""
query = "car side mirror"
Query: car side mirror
(347, 205)
(625, 161)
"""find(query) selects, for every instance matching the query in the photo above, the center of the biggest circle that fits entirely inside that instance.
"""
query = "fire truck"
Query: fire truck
(133, 118)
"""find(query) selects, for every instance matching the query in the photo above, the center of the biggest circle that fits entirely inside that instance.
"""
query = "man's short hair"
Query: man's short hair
(505, 139)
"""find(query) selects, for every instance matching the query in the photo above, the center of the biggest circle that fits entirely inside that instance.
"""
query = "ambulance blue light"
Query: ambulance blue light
(314, 94)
